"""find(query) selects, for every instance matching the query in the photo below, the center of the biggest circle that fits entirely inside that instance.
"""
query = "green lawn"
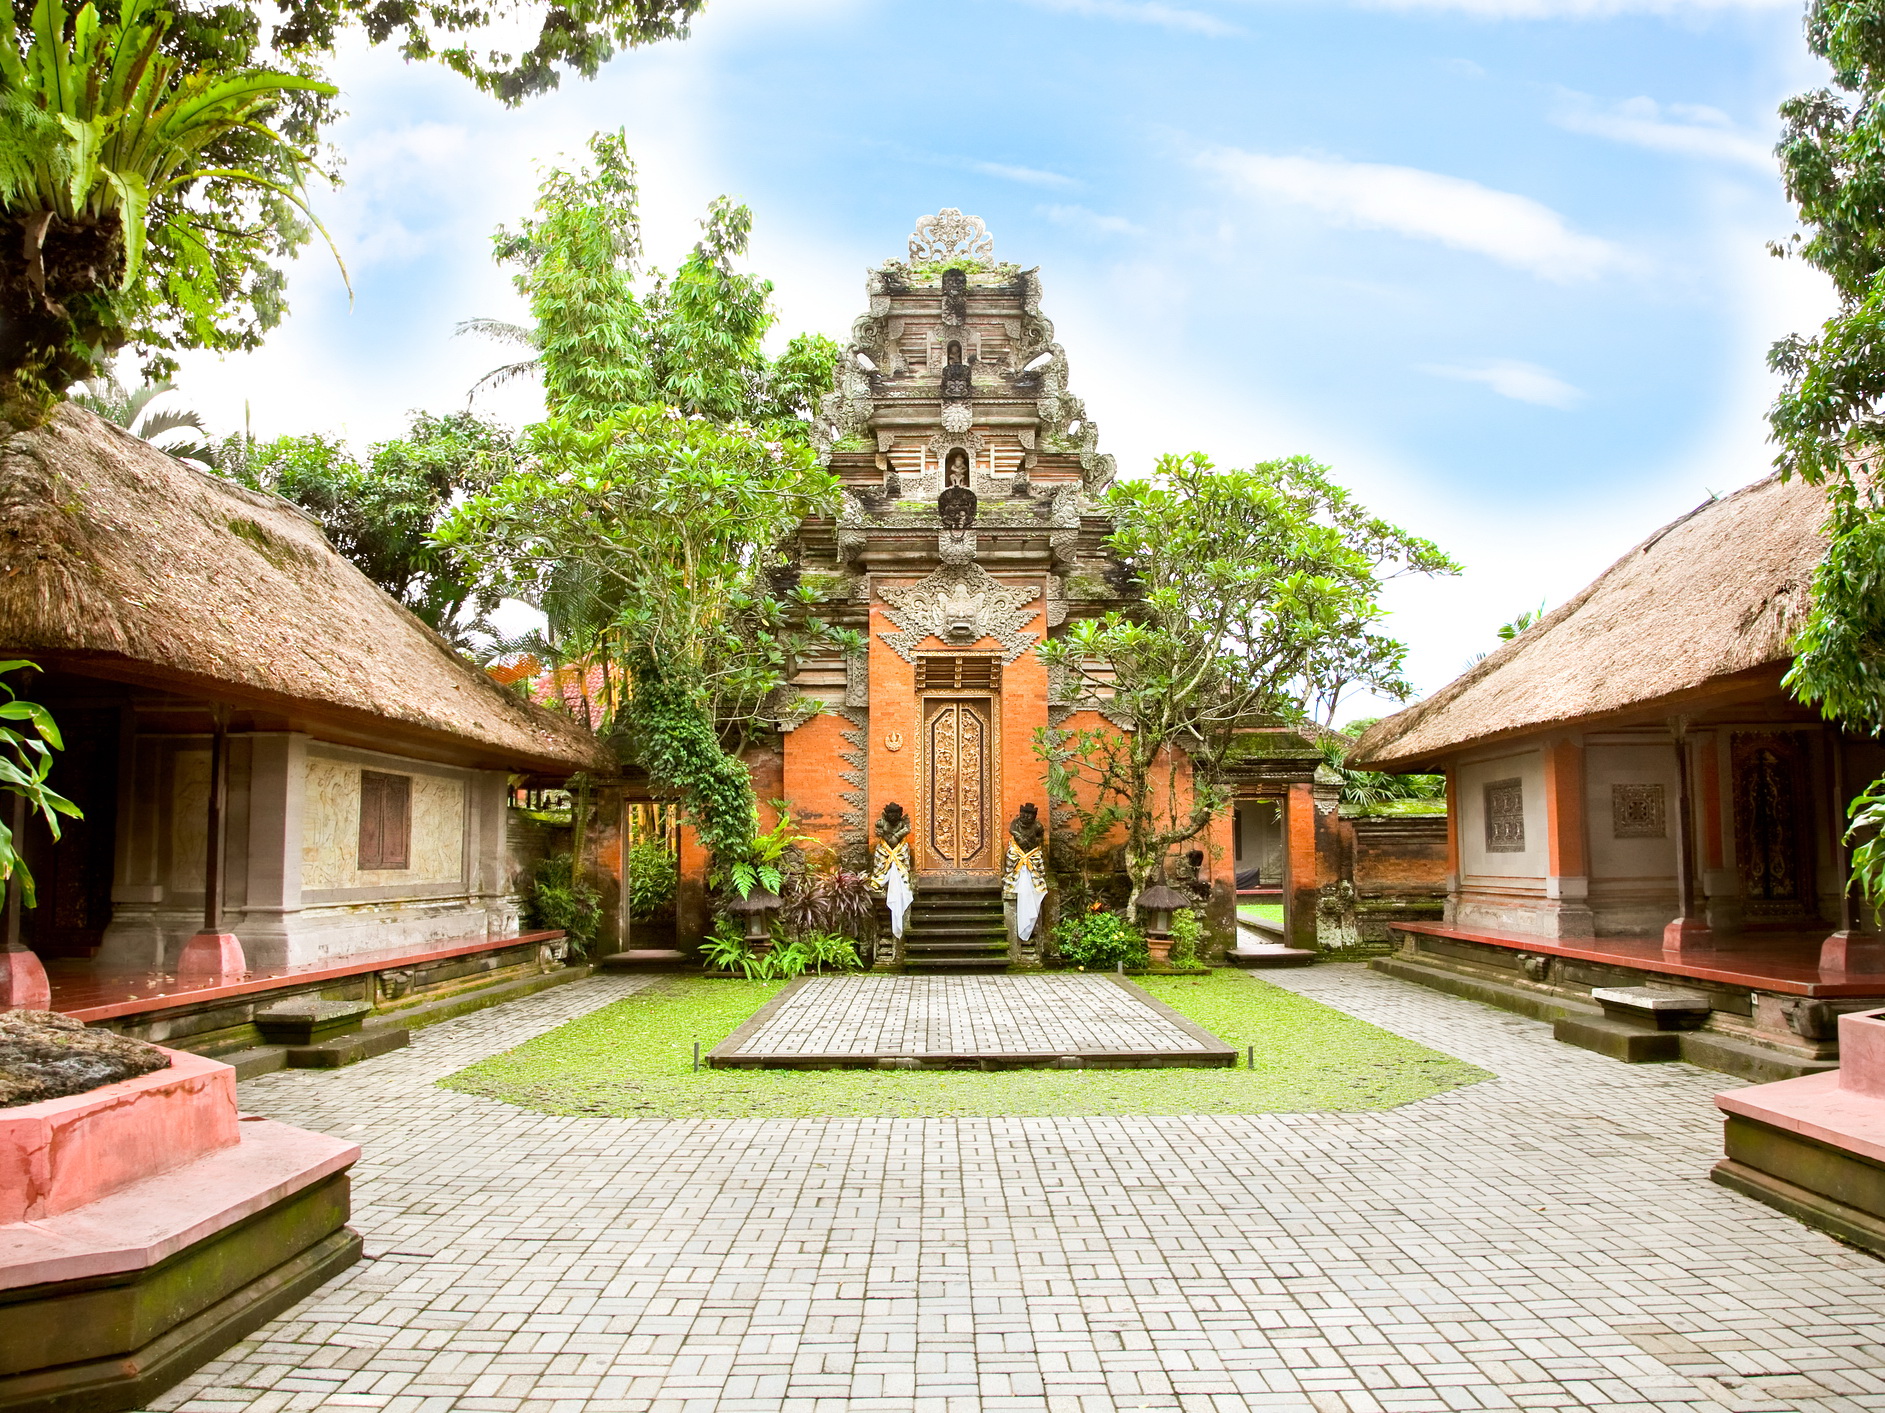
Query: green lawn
(633, 1059)
(1261, 912)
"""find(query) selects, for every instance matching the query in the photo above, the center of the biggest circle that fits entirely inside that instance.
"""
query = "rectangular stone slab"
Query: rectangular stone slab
(1067, 1020)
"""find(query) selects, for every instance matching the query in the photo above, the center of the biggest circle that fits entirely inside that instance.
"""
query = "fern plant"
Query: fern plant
(97, 130)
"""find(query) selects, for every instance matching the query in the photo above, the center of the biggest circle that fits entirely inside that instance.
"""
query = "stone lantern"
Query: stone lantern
(756, 904)
(1160, 899)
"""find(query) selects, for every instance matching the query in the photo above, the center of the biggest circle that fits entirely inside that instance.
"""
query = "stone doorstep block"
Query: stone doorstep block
(61, 1154)
(1628, 1041)
(308, 1020)
(1653, 1006)
(348, 1049)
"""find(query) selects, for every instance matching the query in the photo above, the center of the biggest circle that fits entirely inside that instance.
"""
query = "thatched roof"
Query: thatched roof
(1714, 595)
(118, 560)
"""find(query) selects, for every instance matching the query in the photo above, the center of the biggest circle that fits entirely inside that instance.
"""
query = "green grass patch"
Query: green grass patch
(634, 1059)
(1271, 913)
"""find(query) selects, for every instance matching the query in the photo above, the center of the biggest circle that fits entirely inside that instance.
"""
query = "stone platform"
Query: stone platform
(1073, 1021)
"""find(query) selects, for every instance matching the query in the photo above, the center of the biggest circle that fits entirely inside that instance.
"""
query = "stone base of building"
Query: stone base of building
(405, 990)
(1746, 1032)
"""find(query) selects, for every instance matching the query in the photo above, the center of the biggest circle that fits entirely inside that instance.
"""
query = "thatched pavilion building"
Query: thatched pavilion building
(246, 715)
(1635, 799)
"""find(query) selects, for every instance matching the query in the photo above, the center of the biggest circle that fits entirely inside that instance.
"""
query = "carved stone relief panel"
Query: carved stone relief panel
(1638, 812)
(960, 604)
(1505, 816)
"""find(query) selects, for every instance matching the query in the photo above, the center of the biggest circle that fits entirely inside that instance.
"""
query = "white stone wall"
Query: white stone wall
(294, 892)
(1501, 891)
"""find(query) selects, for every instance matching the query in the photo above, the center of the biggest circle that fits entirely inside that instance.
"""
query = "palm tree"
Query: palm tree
(130, 408)
(518, 335)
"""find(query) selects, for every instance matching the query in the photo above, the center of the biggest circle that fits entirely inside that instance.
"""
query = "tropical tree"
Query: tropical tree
(657, 533)
(1827, 422)
(1373, 787)
(1259, 603)
(28, 738)
(381, 512)
(603, 343)
(130, 408)
(112, 149)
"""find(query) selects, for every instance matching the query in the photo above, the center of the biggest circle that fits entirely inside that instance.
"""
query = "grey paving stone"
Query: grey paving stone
(1544, 1240)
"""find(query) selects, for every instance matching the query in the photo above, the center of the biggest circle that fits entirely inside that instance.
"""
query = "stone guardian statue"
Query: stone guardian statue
(1024, 872)
(893, 867)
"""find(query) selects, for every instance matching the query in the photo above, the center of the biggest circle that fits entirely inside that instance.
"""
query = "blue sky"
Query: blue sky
(1498, 262)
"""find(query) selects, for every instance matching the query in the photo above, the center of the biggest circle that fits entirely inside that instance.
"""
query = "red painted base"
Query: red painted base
(1687, 934)
(23, 984)
(211, 956)
(1851, 951)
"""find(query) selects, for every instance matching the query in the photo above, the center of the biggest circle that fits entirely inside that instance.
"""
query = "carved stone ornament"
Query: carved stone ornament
(960, 604)
(1638, 812)
(948, 234)
(957, 417)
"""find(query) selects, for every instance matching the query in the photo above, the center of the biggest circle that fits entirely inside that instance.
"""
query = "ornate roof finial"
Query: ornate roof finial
(948, 234)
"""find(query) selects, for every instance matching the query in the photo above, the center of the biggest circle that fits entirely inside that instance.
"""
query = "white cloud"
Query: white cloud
(1079, 218)
(1512, 229)
(1683, 129)
(1509, 377)
(1143, 12)
(1029, 176)
(1577, 9)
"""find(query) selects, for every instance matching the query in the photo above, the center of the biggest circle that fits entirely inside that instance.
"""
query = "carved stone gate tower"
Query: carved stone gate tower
(968, 532)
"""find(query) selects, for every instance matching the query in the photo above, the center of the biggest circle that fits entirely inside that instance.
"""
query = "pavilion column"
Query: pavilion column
(1689, 930)
(23, 984)
(1836, 950)
(1451, 916)
(1567, 853)
(214, 954)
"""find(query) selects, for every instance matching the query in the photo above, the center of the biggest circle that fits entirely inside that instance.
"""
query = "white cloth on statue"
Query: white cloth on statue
(899, 897)
(1028, 894)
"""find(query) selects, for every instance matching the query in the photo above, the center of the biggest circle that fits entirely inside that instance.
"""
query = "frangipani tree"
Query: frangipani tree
(660, 532)
(1259, 605)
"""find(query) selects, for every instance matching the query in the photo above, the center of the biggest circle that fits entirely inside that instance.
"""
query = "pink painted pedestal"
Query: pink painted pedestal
(211, 957)
(23, 983)
(1814, 1147)
(177, 1224)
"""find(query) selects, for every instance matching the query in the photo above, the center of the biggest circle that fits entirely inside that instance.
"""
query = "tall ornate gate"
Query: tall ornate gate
(958, 786)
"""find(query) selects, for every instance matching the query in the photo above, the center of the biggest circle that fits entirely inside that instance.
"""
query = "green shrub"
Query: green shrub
(1100, 941)
(653, 874)
(1187, 933)
(553, 901)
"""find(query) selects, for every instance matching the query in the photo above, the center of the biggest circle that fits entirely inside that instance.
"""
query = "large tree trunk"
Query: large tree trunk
(59, 316)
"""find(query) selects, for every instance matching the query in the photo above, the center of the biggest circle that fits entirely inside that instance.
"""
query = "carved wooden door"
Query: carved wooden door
(958, 746)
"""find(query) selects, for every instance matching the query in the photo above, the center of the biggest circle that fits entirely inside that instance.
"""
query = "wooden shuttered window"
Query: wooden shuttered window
(385, 820)
(937, 673)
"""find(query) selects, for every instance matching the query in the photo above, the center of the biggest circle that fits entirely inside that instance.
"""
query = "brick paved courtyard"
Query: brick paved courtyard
(917, 1017)
(1547, 1239)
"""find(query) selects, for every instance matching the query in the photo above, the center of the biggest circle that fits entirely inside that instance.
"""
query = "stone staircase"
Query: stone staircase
(956, 928)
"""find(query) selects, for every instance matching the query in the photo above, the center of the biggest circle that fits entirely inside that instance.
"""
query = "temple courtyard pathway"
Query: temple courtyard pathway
(1545, 1239)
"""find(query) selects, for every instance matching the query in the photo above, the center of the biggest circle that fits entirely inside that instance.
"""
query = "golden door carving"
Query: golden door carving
(958, 739)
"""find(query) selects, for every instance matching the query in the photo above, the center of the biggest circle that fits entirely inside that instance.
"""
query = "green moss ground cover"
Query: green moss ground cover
(634, 1059)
